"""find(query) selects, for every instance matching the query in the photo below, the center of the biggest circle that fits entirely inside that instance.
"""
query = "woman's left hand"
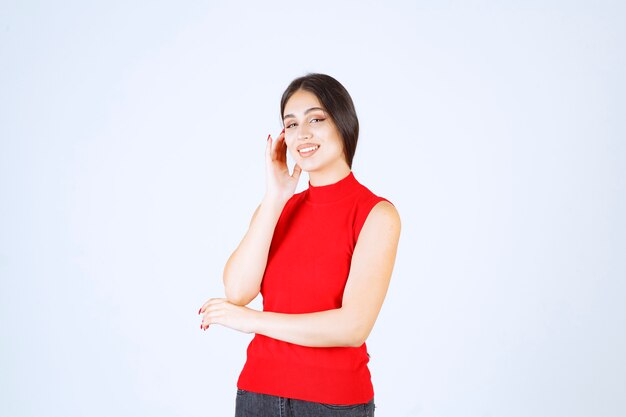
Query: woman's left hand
(221, 311)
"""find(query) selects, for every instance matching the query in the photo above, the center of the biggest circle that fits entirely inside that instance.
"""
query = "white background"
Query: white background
(131, 160)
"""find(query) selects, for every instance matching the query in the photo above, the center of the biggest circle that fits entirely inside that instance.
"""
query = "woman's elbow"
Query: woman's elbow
(356, 343)
(358, 339)
(238, 296)
(357, 334)
(238, 290)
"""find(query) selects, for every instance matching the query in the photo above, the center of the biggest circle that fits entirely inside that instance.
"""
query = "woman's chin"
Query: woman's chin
(307, 166)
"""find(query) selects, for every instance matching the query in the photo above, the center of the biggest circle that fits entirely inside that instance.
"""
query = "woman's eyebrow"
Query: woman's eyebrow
(308, 110)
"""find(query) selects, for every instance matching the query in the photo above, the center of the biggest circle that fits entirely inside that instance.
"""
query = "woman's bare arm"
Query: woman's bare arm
(370, 273)
(244, 269)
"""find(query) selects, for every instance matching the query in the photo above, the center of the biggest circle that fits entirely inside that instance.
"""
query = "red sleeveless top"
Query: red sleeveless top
(307, 269)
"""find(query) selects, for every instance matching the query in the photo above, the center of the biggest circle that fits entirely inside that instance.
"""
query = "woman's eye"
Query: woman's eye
(291, 124)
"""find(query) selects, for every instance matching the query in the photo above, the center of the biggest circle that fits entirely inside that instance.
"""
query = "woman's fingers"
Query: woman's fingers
(209, 302)
(212, 310)
(296, 172)
(283, 147)
(206, 307)
(268, 148)
(280, 183)
(278, 148)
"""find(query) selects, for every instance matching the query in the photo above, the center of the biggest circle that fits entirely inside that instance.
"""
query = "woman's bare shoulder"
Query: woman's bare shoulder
(385, 213)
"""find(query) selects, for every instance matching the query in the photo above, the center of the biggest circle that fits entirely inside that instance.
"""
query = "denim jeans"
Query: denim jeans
(252, 404)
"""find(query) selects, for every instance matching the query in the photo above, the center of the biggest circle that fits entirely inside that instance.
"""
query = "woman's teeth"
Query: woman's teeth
(305, 150)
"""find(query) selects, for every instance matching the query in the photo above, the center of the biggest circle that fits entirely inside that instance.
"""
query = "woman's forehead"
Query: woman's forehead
(300, 102)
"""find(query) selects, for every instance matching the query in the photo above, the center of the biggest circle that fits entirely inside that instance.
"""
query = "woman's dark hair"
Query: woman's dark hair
(337, 102)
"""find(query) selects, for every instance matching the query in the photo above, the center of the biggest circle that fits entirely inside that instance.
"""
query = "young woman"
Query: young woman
(322, 260)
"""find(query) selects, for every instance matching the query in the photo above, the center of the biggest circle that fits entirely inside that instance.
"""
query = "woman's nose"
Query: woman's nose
(303, 133)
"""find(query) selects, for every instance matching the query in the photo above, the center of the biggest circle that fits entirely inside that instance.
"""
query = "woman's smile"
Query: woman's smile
(307, 149)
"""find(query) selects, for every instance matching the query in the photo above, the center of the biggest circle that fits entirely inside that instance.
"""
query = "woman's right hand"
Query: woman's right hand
(280, 186)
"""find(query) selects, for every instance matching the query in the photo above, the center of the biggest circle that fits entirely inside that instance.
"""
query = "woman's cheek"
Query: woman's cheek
(293, 152)
(322, 128)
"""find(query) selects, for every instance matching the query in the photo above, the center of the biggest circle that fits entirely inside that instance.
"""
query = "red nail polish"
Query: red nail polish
(268, 137)
(200, 311)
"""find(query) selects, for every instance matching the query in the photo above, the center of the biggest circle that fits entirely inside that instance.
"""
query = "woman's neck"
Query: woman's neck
(328, 176)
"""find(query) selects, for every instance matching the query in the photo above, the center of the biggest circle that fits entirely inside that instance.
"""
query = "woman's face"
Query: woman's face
(310, 134)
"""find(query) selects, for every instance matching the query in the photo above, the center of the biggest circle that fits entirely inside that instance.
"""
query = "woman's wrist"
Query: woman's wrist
(273, 202)
(256, 318)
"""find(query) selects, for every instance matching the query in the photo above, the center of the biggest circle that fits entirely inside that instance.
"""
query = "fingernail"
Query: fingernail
(268, 137)
(200, 326)
(200, 311)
